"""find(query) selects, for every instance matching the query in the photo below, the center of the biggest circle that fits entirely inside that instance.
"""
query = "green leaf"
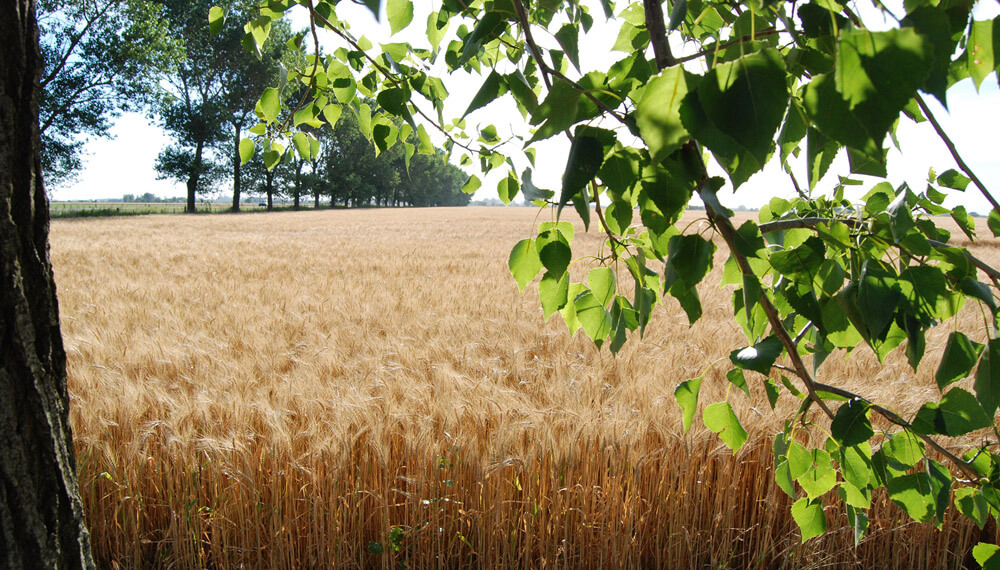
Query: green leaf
(802, 263)
(736, 378)
(493, 87)
(246, 150)
(677, 14)
(301, 144)
(471, 185)
(960, 355)
(993, 221)
(567, 36)
(507, 189)
(914, 494)
(978, 290)
(721, 419)
(736, 110)
(877, 298)
(952, 178)
(686, 395)
(877, 73)
(554, 251)
(565, 228)
(820, 476)
(980, 48)
(594, 318)
(858, 519)
(569, 311)
(270, 104)
(771, 387)
(558, 111)
(524, 263)
(553, 292)
(332, 114)
(216, 19)
(272, 157)
(585, 157)
(957, 414)
(373, 6)
(689, 258)
(940, 488)
(851, 425)
(400, 14)
(810, 518)
(987, 555)
(759, 357)
(988, 378)
(658, 112)
(903, 450)
(602, 282)
(856, 464)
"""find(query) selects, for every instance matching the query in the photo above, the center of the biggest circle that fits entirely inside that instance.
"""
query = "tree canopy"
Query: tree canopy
(100, 58)
(699, 96)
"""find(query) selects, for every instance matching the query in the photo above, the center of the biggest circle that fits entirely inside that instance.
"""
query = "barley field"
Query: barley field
(368, 389)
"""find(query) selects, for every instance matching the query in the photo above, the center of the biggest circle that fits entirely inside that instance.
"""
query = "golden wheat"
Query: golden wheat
(301, 390)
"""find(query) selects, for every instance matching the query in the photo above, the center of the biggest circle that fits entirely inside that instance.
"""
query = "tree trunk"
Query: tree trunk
(236, 170)
(192, 183)
(316, 198)
(41, 515)
(269, 186)
(298, 183)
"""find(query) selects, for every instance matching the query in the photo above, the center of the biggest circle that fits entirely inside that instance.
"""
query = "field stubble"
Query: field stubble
(305, 390)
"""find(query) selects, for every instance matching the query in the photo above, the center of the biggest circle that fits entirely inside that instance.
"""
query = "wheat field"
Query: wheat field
(368, 389)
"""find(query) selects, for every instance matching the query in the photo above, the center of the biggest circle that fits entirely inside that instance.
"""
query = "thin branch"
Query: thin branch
(72, 47)
(385, 73)
(600, 216)
(522, 17)
(812, 223)
(729, 43)
(954, 153)
(725, 228)
(895, 418)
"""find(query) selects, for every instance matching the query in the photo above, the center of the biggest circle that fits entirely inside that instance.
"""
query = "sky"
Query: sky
(123, 164)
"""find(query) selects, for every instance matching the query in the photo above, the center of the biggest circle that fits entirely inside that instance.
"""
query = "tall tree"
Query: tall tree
(41, 515)
(192, 108)
(245, 75)
(101, 57)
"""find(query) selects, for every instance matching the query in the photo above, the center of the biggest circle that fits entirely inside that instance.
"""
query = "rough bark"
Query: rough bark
(41, 515)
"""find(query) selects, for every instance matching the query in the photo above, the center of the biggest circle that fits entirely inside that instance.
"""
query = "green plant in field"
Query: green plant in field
(756, 81)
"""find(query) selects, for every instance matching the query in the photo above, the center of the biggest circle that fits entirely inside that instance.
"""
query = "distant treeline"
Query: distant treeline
(103, 57)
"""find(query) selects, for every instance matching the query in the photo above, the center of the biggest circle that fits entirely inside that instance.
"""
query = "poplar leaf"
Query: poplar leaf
(524, 263)
(720, 418)
(400, 14)
(686, 395)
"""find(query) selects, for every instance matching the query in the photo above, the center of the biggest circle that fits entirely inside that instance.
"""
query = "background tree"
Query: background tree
(101, 57)
(754, 81)
(433, 181)
(193, 109)
(243, 78)
(41, 515)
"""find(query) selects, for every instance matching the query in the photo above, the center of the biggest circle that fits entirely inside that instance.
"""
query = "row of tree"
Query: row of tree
(103, 57)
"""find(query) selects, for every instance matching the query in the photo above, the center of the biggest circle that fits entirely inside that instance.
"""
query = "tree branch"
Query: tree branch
(811, 223)
(658, 34)
(954, 153)
(895, 418)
